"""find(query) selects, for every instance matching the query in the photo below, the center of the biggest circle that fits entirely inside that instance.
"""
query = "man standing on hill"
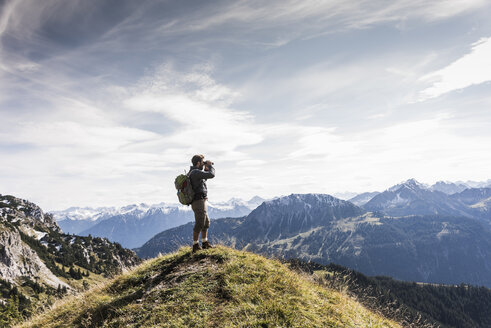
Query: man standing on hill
(198, 174)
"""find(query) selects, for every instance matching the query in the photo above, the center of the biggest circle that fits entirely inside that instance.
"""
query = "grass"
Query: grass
(93, 278)
(220, 287)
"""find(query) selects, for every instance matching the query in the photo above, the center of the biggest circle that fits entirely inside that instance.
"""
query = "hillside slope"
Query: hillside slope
(411, 304)
(39, 263)
(220, 287)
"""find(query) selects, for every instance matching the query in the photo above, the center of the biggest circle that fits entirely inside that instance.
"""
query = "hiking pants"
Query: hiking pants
(202, 221)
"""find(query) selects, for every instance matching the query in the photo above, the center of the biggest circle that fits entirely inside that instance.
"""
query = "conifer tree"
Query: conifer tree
(10, 314)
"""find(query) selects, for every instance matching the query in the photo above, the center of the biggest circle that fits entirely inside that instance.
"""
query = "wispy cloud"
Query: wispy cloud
(349, 14)
(83, 140)
(198, 110)
(304, 19)
(473, 68)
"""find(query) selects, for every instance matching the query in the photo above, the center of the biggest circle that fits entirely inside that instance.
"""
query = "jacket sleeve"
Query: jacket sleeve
(205, 174)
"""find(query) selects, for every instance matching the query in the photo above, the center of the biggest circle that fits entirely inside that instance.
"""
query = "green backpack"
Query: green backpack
(185, 191)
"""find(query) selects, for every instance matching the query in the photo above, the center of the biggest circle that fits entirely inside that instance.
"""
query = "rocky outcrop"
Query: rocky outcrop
(15, 209)
(18, 260)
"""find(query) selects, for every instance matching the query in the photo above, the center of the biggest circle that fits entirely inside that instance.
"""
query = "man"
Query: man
(198, 174)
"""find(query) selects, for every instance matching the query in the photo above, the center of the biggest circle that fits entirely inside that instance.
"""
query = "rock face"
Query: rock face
(18, 260)
(13, 209)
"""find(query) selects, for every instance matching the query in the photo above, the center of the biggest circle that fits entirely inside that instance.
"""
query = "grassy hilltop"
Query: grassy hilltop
(219, 287)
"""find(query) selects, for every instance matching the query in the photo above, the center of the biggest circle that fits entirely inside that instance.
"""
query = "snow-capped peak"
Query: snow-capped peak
(84, 213)
(412, 184)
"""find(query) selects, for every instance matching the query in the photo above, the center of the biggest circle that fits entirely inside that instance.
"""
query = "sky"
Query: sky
(104, 102)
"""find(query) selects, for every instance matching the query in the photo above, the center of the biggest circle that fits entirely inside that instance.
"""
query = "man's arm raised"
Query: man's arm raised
(208, 173)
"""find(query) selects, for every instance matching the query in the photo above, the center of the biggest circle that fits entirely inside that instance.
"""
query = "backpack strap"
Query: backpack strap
(189, 177)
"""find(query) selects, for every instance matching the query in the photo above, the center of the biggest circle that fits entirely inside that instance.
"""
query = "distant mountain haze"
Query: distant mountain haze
(133, 225)
(478, 201)
(414, 198)
(78, 219)
(449, 188)
(363, 198)
(473, 196)
(446, 187)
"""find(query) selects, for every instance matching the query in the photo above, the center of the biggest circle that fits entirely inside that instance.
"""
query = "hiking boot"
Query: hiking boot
(196, 247)
(206, 245)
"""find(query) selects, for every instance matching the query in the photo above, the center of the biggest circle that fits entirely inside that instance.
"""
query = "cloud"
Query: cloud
(6, 12)
(199, 110)
(348, 14)
(471, 69)
(428, 149)
(238, 21)
(305, 19)
(92, 157)
(85, 138)
(89, 117)
(108, 150)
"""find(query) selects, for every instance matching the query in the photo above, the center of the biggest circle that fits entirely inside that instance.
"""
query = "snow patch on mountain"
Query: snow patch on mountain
(39, 234)
(84, 213)
(444, 231)
(485, 203)
(397, 201)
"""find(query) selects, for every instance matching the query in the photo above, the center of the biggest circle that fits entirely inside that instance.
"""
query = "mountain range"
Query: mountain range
(133, 225)
(414, 198)
(411, 231)
(407, 232)
(445, 187)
